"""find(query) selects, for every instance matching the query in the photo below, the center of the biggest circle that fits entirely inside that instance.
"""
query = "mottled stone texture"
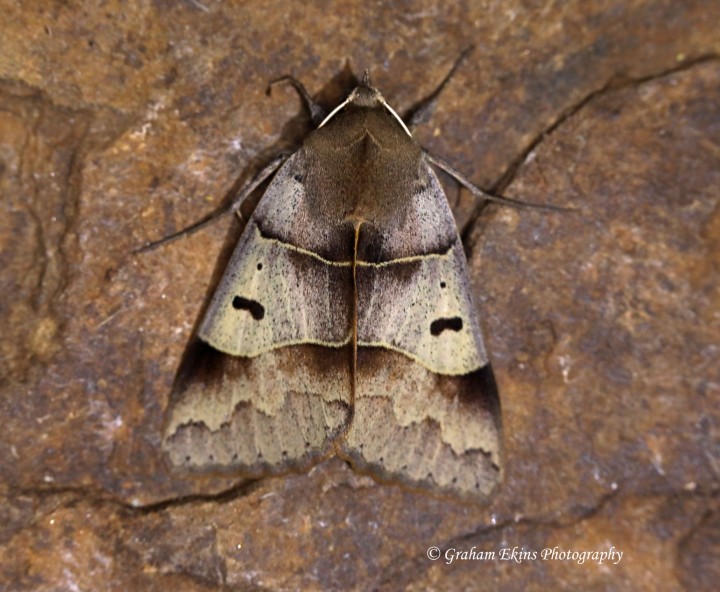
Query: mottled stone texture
(121, 122)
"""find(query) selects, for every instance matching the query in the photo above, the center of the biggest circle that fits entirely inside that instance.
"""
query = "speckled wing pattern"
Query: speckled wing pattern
(269, 383)
(426, 411)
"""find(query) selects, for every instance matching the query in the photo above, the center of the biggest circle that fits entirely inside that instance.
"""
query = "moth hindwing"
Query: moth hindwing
(344, 324)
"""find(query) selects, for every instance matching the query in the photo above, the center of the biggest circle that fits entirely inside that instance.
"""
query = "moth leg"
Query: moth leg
(477, 192)
(242, 194)
(422, 111)
(317, 111)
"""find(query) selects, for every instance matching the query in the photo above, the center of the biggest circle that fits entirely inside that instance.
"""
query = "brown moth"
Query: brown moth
(344, 323)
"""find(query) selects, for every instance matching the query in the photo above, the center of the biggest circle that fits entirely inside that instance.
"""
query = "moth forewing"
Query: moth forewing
(344, 322)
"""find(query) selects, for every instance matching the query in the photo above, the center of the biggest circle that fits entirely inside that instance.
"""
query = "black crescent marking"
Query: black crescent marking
(256, 309)
(445, 324)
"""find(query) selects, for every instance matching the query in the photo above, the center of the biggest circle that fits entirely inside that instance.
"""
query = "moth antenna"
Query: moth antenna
(317, 111)
(477, 192)
(422, 111)
(366, 78)
(213, 216)
(198, 5)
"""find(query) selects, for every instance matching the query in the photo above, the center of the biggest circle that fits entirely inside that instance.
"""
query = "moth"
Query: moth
(344, 323)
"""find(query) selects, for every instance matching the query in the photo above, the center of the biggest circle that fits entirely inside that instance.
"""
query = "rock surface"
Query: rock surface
(121, 124)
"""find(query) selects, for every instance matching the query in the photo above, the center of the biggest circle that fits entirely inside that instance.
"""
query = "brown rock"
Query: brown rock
(120, 125)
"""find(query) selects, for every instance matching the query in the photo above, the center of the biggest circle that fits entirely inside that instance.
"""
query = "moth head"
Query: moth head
(367, 96)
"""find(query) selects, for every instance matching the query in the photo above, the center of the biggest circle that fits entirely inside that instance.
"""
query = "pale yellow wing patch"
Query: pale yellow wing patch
(422, 308)
(274, 295)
